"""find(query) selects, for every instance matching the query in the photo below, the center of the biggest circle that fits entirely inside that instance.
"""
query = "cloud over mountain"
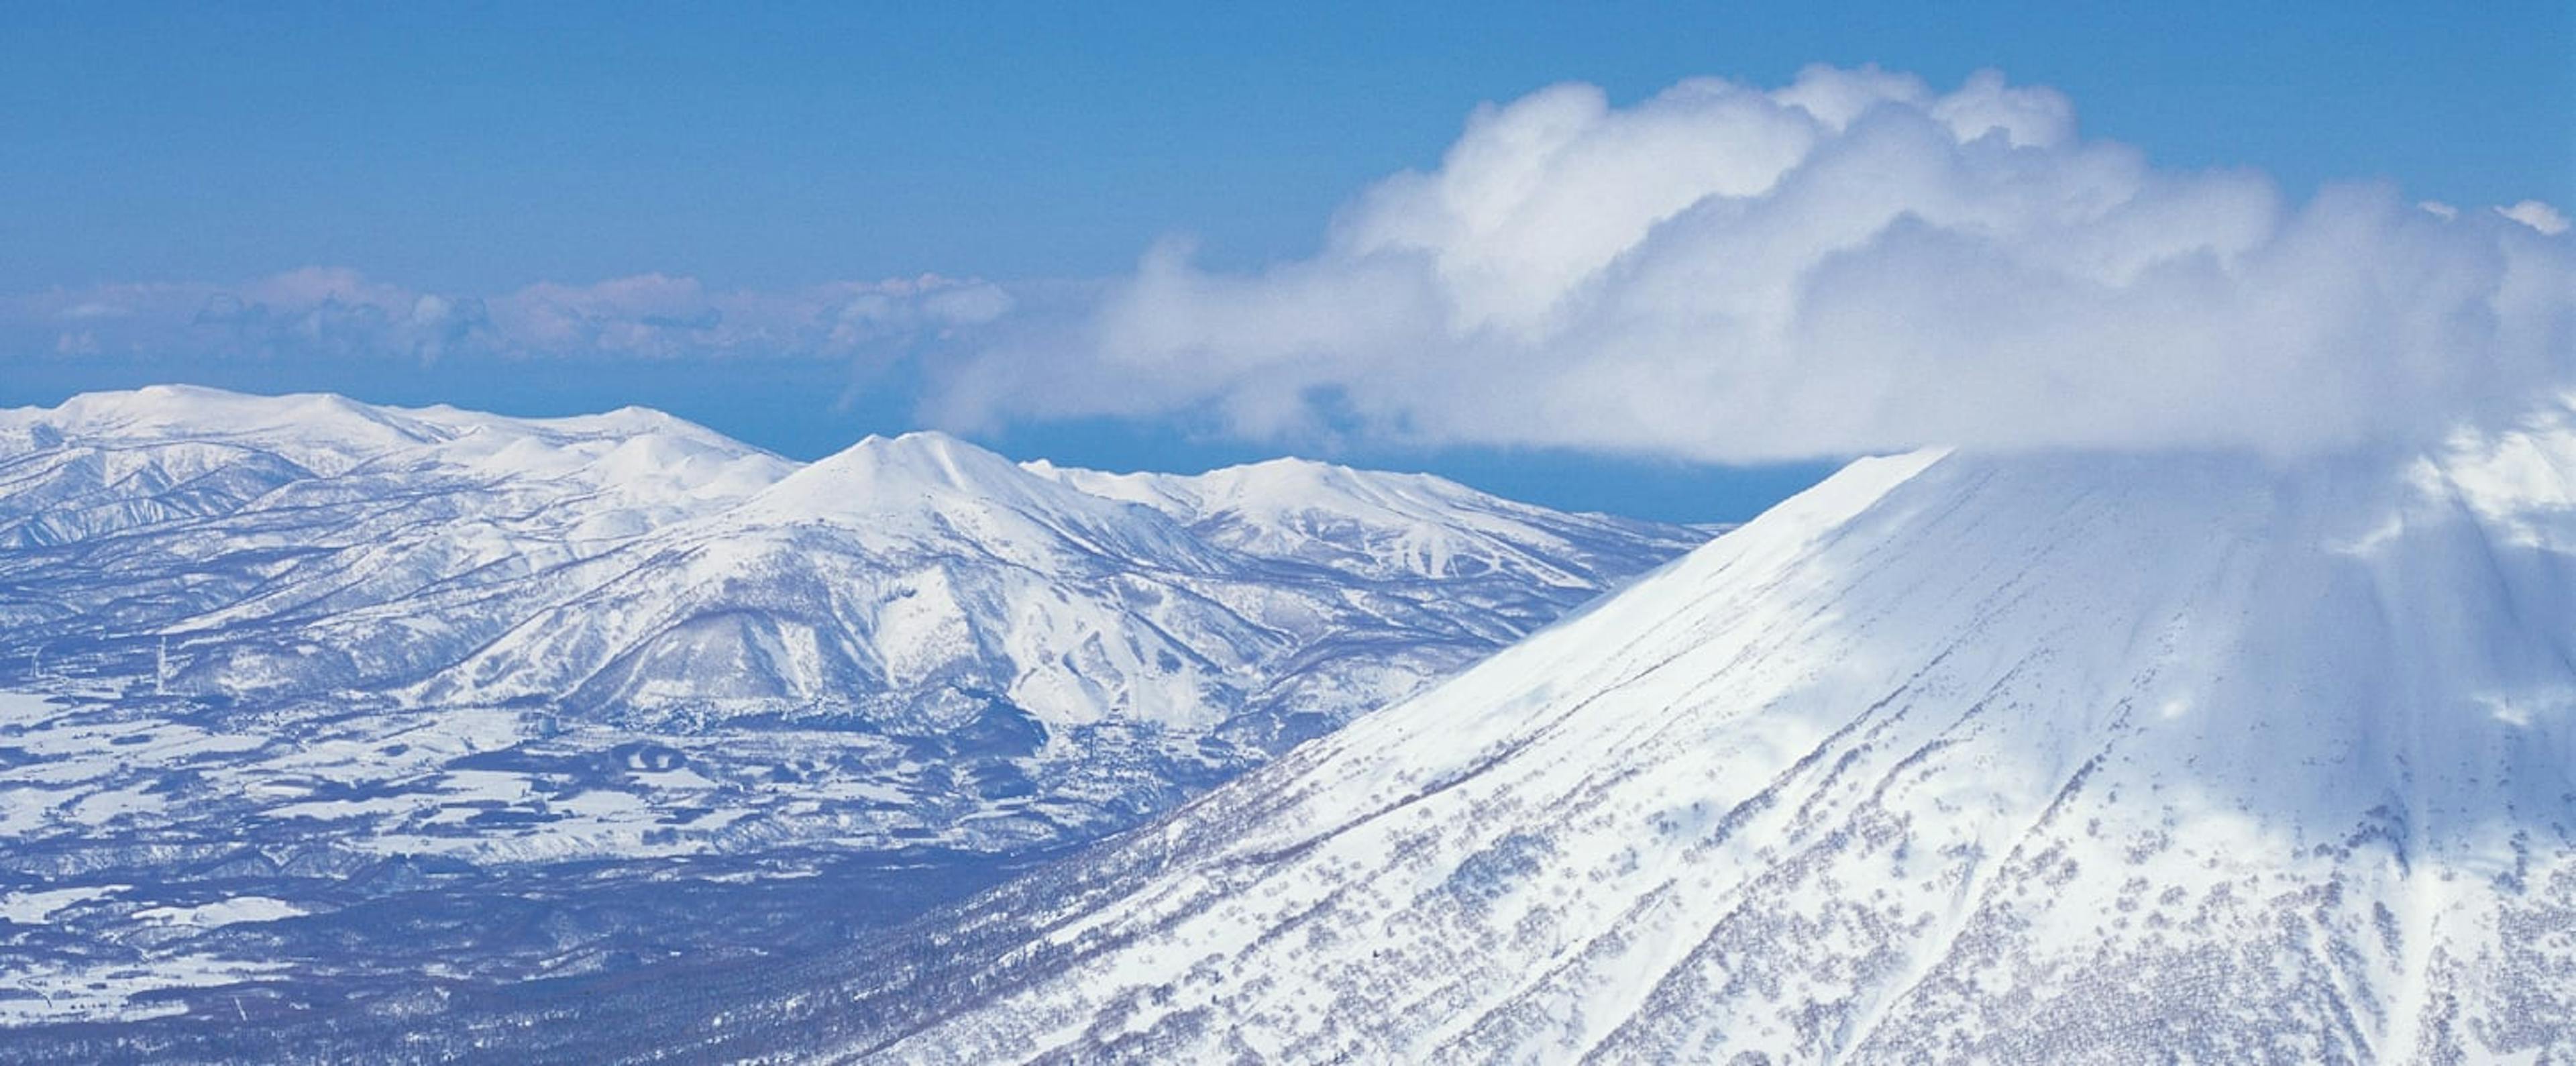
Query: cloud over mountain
(1853, 262)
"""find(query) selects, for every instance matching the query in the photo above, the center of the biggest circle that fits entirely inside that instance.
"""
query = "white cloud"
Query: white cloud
(2536, 215)
(1850, 263)
(336, 312)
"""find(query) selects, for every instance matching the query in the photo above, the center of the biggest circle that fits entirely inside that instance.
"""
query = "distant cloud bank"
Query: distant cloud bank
(1851, 263)
(332, 312)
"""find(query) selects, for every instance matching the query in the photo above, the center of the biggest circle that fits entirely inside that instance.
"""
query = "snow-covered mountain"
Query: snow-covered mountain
(2033, 758)
(332, 656)
(634, 565)
(253, 539)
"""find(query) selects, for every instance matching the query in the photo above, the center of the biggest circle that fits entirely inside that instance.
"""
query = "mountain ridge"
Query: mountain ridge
(628, 477)
(451, 700)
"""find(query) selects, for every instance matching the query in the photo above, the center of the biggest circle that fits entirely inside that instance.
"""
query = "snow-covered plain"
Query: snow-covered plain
(368, 689)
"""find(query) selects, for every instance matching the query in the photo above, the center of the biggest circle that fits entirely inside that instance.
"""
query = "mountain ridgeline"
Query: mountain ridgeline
(635, 566)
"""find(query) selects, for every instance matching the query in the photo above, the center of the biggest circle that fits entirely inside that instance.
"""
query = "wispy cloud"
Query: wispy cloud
(334, 312)
(1853, 262)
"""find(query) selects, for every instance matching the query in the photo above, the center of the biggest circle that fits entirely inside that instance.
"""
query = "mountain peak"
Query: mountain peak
(881, 472)
(923, 453)
(1287, 482)
(1390, 525)
(323, 431)
(934, 490)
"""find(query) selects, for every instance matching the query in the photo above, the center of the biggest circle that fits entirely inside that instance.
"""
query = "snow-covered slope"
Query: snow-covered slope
(2034, 758)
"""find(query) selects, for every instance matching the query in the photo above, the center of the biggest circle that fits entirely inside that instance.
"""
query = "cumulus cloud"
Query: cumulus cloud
(339, 313)
(1850, 263)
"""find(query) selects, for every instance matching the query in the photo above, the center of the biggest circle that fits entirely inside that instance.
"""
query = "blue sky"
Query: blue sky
(485, 148)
